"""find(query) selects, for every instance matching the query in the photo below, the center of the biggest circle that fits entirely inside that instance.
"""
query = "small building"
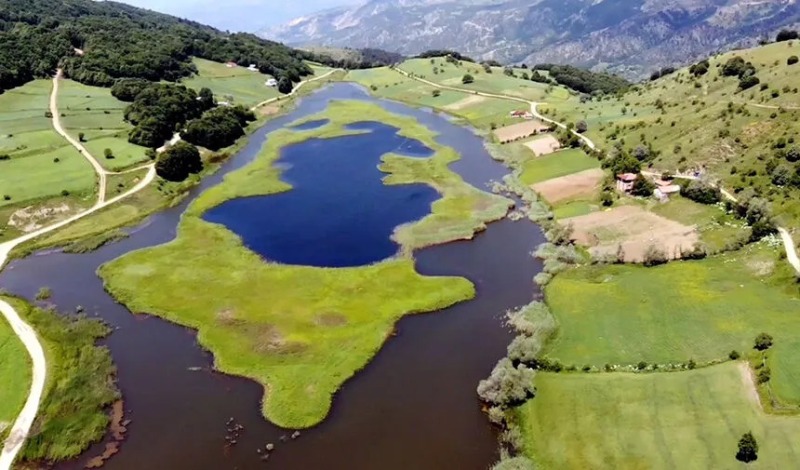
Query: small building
(231, 65)
(518, 114)
(271, 83)
(252, 68)
(625, 182)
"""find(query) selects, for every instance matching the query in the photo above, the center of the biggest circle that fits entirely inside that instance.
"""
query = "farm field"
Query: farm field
(236, 85)
(717, 228)
(688, 420)
(561, 163)
(697, 310)
(99, 116)
(480, 112)
(40, 164)
(497, 82)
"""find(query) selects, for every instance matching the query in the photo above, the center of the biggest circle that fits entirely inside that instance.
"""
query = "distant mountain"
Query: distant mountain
(627, 36)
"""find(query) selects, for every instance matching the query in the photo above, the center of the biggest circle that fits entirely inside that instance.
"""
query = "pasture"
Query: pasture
(93, 112)
(15, 375)
(701, 310)
(235, 85)
(555, 165)
(687, 420)
(40, 163)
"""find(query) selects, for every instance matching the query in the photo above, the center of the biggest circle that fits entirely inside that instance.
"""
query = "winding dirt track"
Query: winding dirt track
(19, 431)
(21, 427)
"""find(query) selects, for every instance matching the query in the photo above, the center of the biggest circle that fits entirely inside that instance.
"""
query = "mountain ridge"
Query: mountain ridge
(630, 37)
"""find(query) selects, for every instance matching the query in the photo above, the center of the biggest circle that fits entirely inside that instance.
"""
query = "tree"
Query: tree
(581, 127)
(178, 162)
(786, 35)
(206, 98)
(436, 93)
(108, 154)
(285, 85)
(763, 342)
(507, 385)
(467, 79)
(792, 60)
(699, 191)
(81, 137)
(642, 186)
(748, 448)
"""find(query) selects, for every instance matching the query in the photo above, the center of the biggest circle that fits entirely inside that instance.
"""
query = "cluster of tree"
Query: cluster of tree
(444, 53)
(700, 191)
(178, 162)
(507, 385)
(585, 81)
(539, 78)
(662, 73)
(787, 35)
(699, 69)
(747, 449)
(745, 71)
(356, 59)
(784, 168)
(161, 108)
(758, 214)
(120, 41)
(219, 127)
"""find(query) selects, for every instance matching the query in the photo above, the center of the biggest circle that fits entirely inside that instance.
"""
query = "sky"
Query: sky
(239, 15)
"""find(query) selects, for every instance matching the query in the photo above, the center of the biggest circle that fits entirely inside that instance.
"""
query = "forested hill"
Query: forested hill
(99, 42)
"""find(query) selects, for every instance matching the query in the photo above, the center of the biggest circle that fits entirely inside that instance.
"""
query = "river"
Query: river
(414, 405)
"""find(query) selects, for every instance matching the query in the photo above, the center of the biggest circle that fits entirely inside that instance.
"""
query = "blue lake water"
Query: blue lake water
(308, 125)
(339, 212)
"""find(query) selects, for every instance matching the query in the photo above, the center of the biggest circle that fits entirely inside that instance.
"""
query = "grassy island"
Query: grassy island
(301, 331)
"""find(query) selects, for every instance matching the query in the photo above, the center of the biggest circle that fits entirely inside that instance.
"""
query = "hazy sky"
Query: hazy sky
(239, 15)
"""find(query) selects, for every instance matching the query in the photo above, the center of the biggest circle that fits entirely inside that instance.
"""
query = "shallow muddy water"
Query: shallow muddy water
(414, 406)
(338, 213)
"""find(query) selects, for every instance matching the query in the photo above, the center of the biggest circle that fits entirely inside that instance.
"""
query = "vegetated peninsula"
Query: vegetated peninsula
(302, 331)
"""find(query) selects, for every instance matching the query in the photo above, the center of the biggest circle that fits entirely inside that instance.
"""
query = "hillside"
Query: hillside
(98, 42)
(704, 122)
(628, 36)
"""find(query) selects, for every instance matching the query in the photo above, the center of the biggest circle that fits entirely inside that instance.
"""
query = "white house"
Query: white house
(271, 83)
(252, 68)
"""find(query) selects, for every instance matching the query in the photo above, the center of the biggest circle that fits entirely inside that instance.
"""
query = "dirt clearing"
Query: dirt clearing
(635, 230)
(465, 103)
(520, 130)
(544, 145)
(581, 184)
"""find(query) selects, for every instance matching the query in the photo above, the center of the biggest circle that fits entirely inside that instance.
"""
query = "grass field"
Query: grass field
(41, 164)
(706, 122)
(687, 420)
(15, 375)
(717, 228)
(300, 331)
(236, 85)
(482, 114)
(79, 387)
(99, 116)
(496, 82)
(561, 163)
(697, 310)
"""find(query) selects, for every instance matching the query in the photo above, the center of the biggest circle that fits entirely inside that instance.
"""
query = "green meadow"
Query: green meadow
(701, 310)
(236, 85)
(40, 163)
(15, 375)
(687, 420)
(92, 111)
(300, 331)
(561, 163)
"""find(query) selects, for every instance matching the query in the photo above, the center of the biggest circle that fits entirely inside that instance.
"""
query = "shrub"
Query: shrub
(436, 93)
(515, 463)
(642, 186)
(178, 162)
(792, 60)
(467, 79)
(507, 385)
(748, 448)
(81, 137)
(581, 127)
(654, 256)
(699, 191)
(44, 293)
(748, 82)
(5, 156)
(691, 364)
(734, 355)
(764, 375)
(786, 35)
(763, 342)
(108, 154)
(524, 349)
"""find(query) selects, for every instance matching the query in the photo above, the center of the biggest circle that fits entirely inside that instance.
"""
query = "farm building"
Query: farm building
(231, 65)
(271, 83)
(625, 182)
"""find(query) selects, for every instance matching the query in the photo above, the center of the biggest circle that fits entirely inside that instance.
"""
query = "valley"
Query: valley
(265, 256)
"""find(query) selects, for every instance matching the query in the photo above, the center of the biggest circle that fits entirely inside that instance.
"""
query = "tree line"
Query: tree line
(120, 41)
(585, 81)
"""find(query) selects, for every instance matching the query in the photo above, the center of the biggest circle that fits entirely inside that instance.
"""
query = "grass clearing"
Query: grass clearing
(688, 420)
(717, 228)
(300, 331)
(235, 85)
(697, 310)
(92, 111)
(41, 163)
(555, 165)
